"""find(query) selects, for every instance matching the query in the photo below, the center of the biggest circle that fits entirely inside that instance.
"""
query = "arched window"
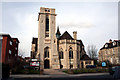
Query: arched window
(70, 53)
(46, 52)
(61, 54)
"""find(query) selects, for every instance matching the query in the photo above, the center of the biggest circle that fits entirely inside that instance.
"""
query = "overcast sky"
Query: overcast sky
(95, 22)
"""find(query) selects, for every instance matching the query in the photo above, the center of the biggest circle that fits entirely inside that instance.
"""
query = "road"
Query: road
(88, 76)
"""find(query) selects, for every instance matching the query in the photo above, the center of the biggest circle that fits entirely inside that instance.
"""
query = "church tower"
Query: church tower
(47, 42)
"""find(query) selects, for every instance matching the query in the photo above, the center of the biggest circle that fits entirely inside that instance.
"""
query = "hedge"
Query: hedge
(94, 70)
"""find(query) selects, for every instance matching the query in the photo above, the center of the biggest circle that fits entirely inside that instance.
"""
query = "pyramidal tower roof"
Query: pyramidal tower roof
(58, 31)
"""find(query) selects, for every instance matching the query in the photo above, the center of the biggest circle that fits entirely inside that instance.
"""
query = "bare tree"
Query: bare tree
(21, 53)
(92, 51)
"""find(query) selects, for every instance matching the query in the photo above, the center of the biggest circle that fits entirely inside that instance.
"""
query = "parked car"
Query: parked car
(116, 74)
(112, 70)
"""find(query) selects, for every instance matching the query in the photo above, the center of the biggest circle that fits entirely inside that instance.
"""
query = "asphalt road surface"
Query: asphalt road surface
(90, 76)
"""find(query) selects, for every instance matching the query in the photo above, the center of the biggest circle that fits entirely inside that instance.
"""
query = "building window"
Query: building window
(70, 53)
(16, 48)
(88, 62)
(106, 45)
(48, 10)
(10, 43)
(71, 66)
(47, 23)
(61, 54)
(46, 53)
(9, 51)
(45, 10)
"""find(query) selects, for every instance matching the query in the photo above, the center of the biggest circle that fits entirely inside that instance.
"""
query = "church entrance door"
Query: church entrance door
(46, 64)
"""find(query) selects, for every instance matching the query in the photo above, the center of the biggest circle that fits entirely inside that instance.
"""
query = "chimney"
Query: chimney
(110, 41)
(75, 35)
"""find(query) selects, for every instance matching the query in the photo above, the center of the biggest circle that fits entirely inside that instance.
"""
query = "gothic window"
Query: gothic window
(70, 53)
(47, 23)
(61, 54)
(46, 52)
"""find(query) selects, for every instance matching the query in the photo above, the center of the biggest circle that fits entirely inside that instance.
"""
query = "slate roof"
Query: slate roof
(81, 43)
(110, 45)
(66, 35)
(85, 57)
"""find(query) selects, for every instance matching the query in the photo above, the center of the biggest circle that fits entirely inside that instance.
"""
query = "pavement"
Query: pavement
(53, 72)
(86, 76)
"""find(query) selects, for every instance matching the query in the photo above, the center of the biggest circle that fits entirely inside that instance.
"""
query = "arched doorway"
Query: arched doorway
(46, 64)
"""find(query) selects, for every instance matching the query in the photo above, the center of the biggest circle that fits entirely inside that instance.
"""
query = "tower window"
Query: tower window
(48, 10)
(45, 10)
(47, 23)
(46, 53)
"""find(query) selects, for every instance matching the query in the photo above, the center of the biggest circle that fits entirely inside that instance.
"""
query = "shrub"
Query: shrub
(84, 70)
(34, 72)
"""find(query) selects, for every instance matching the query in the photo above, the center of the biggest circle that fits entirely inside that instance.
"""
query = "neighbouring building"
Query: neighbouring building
(27, 59)
(110, 52)
(86, 60)
(21, 59)
(8, 49)
(54, 50)
(34, 48)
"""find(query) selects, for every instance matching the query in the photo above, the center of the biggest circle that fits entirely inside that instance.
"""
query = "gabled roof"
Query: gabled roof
(85, 57)
(66, 35)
